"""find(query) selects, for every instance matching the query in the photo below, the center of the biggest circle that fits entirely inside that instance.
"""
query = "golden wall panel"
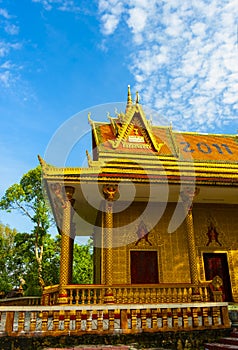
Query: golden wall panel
(171, 248)
(224, 220)
(234, 278)
(174, 254)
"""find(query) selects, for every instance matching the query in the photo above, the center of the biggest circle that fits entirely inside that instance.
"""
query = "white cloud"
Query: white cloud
(4, 48)
(137, 19)
(111, 22)
(184, 57)
(4, 13)
(46, 4)
(61, 5)
(5, 78)
(6, 65)
(110, 11)
(11, 29)
(9, 72)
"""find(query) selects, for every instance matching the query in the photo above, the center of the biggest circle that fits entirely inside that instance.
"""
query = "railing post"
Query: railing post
(175, 317)
(67, 320)
(78, 321)
(33, 321)
(111, 320)
(56, 321)
(195, 317)
(44, 324)
(133, 320)
(89, 321)
(225, 316)
(215, 315)
(154, 319)
(205, 321)
(124, 320)
(185, 318)
(21, 321)
(143, 319)
(164, 319)
(9, 322)
(100, 321)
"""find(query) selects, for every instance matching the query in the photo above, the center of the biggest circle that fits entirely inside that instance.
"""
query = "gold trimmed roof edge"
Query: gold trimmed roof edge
(202, 133)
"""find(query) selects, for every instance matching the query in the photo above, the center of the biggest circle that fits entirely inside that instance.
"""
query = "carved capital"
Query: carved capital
(188, 195)
(63, 193)
(69, 191)
(110, 191)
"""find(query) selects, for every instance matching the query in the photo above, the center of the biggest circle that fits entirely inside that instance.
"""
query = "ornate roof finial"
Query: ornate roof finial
(41, 160)
(137, 97)
(129, 99)
(89, 118)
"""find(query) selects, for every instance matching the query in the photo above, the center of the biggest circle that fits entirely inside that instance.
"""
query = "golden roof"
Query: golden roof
(130, 147)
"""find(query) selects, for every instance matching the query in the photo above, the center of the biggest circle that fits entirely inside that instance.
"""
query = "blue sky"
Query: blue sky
(60, 57)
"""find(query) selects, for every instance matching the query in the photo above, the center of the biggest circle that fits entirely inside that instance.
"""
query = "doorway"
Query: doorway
(216, 264)
(144, 267)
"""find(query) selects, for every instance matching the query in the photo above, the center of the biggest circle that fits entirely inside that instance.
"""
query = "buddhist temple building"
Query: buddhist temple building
(161, 206)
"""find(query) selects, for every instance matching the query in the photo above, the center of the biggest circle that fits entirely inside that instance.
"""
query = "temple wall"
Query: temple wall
(225, 221)
(171, 248)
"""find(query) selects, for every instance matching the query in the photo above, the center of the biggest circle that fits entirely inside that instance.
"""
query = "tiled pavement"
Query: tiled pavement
(99, 347)
(102, 347)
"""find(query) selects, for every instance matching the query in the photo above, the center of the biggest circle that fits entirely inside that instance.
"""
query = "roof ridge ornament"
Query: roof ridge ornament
(137, 97)
(129, 98)
(126, 121)
(89, 118)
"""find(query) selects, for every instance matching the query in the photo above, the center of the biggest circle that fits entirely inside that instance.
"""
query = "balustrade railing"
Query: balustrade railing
(128, 294)
(57, 320)
(21, 301)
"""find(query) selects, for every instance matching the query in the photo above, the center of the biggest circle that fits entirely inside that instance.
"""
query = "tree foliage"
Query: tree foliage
(24, 264)
(27, 198)
(83, 264)
(35, 256)
(17, 263)
(7, 237)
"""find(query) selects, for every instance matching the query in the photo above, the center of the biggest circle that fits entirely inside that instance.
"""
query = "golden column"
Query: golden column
(187, 197)
(109, 192)
(66, 255)
(71, 250)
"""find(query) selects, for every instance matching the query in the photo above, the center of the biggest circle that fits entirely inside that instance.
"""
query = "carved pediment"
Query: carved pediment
(134, 131)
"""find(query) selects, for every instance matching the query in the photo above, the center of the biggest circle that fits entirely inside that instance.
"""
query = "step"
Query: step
(234, 333)
(217, 346)
(229, 340)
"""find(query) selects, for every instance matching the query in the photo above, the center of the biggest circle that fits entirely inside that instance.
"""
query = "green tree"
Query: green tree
(7, 236)
(24, 265)
(35, 256)
(27, 198)
(83, 263)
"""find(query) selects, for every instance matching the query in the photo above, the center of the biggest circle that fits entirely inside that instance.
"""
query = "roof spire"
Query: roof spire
(129, 99)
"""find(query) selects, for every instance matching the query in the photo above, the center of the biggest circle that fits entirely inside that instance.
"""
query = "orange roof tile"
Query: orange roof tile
(205, 147)
(192, 146)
